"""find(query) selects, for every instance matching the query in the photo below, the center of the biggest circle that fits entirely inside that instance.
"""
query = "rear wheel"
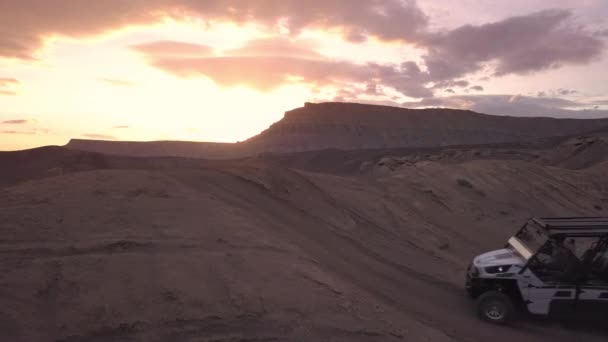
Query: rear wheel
(495, 307)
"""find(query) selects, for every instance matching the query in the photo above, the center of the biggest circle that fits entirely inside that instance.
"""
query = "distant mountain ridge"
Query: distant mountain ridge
(349, 126)
(187, 149)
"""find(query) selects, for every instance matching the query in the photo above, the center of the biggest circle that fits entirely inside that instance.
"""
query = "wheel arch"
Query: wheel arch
(507, 286)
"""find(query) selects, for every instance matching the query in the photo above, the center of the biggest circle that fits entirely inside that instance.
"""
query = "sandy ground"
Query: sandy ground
(99, 248)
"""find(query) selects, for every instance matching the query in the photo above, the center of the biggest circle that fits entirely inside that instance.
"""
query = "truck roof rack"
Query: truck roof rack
(574, 226)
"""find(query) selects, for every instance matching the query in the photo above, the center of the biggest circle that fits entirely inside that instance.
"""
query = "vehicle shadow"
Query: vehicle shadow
(573, 324)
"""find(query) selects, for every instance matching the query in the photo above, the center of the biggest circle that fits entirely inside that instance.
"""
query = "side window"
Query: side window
(595, 259)
(582, 247)
(556, 262)
(540, 264)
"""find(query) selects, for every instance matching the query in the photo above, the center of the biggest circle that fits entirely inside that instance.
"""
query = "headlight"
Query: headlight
(497, 269)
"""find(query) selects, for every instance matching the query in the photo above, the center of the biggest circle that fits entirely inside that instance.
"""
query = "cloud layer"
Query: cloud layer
(26, 23)
(516, 45)
(99, 136)
(523, 44)
(18, 132)
(15, 122)
(7, 86)
(514, 105)
(168, 48)
(269, 63)
(8, 82)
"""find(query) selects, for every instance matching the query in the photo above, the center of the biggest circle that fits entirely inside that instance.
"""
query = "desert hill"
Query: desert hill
(187, 149)
(350, 126)
(357, 126)
(362, 246)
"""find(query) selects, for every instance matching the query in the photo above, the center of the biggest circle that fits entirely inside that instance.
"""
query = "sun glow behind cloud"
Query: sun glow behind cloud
(83, 87)
(152, 103)
(191, 70)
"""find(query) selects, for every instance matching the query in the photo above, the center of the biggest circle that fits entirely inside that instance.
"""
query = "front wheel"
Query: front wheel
(495, 307)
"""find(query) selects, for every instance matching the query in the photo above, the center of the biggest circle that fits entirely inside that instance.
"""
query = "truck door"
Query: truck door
(592, 293)
(592, 301)
(548, 297)
(547, 291)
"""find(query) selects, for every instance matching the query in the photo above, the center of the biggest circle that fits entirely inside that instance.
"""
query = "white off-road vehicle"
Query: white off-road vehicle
(552, 266)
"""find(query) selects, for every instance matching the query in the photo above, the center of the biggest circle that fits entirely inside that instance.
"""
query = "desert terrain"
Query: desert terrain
(312, 244)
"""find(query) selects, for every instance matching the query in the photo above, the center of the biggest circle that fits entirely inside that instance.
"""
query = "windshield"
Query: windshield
(529, 240)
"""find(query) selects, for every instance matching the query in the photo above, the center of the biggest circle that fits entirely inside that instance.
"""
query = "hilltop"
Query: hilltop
(350, 126)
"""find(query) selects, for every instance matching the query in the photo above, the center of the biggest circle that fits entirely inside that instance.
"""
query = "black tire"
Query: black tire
(495, 307)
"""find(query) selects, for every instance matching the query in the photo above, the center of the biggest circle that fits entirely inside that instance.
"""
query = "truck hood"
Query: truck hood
(499, 257)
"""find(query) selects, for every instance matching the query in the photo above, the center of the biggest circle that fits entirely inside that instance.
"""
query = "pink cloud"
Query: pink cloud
(278, 46)
(516, 45)
(15, 122)
(98, 136)
(269, 63)
(8, 81)
(6, 84)
(17, 132)
(28, 22)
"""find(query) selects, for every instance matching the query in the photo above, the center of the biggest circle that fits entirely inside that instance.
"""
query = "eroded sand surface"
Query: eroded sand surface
(100, 248)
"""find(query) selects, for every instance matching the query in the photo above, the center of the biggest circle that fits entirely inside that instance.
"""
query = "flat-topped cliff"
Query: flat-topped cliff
(350, 126)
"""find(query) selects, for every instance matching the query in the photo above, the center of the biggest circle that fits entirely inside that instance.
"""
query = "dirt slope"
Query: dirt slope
(580, 152)
(133, 249)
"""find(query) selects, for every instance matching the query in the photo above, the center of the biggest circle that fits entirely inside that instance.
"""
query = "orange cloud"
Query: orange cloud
(264, 73)
(15, 122)
(6, 84)
(270, 63)
(30, 131)
(8, 81)
(98, 136)
(18, 132)
(277, 47)
(514, 45)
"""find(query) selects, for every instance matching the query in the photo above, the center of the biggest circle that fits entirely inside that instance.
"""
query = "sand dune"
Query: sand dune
(98, 248)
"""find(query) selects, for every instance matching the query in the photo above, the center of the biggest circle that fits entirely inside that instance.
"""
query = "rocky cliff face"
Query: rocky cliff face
(357, 126)
(352, 126)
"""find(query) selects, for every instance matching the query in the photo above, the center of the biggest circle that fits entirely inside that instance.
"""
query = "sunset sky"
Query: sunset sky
(212, 70)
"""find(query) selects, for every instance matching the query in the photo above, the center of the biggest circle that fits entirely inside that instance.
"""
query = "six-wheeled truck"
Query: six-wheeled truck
(552, 266)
